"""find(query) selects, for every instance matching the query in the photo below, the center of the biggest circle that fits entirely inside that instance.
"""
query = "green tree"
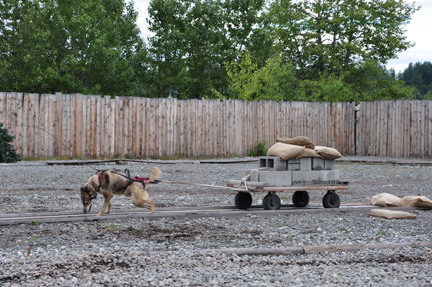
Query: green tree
(279, 81)
(335, 35)
(419, 76)
(193, 40)
(69, 46)
(274, 81)
(337, 47)
(7, 152)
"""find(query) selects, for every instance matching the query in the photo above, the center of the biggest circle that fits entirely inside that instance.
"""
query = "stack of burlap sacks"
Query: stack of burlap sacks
(390, 200)
(300, 147)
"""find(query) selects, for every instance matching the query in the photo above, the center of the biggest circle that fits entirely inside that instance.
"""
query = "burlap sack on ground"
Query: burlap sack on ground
(308, 152)
(285, 151)
(416, 201)
(300, 140)
(328, 152)
(385, 200)
(391, 214)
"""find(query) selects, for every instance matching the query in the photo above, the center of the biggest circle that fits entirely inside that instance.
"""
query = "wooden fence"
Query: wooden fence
(395, 128)
(95, 126)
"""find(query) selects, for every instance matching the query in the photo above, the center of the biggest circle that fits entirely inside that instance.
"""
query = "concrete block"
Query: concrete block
(294, 161)
(275, 178)
(315, 177)
(293, 166)
(273, 162)
(254, 176)
(243, 172)
(329, 164)
(306, 163)
(263, 162)
(318, 163)
(279, 164)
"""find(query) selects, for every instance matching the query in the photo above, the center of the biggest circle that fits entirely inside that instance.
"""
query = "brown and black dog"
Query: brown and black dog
(110, 183)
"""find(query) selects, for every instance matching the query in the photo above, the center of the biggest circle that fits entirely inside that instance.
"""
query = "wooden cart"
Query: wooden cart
(271, 201)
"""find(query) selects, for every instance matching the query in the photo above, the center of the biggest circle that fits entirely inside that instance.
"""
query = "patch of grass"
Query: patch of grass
(111, 227)
(33, 241)
(258, 150)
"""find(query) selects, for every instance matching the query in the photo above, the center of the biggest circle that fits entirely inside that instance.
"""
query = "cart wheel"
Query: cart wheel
(300, 198)
(243, 200)
(331, 199)
(271, 201)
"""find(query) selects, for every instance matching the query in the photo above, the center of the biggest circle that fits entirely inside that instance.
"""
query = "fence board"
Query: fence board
(90, 126)
(429, 129)
(3, 110)
(19, 124)
(420, 125)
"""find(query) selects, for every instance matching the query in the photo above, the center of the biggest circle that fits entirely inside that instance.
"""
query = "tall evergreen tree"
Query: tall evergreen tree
(419, 76)
(7, 152)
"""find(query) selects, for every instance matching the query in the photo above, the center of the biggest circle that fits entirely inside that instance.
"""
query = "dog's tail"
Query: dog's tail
(157, 172)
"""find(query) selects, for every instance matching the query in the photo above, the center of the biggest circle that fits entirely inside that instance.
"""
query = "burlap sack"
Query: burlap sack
(391, 214)
(385, 200)
(285, 151)
(328, 152)
(416, 201)
(308, 152)
(301, 141)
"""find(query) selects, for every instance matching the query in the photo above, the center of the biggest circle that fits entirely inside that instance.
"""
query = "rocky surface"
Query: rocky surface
(163, 251)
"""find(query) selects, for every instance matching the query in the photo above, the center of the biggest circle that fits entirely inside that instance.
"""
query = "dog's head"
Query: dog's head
(88, 195)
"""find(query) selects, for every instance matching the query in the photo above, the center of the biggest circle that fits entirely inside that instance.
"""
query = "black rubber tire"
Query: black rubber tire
(266, 199)
(271, 202)
(331, 200)
(243, 200)
(300, 198)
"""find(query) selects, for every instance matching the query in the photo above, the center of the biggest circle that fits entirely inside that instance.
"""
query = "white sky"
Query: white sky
(417, 33)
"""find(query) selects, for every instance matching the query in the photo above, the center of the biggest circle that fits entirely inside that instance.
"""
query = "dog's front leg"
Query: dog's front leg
(109, 208)
(106, 204)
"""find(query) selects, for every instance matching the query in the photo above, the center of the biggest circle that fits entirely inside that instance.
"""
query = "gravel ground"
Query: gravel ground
(162, 251)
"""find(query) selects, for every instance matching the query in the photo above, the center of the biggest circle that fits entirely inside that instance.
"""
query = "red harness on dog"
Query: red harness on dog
(142, 180)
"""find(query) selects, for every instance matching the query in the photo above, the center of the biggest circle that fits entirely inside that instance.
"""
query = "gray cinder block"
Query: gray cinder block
(293, 164)
(275, 178)
(263, 162)
(329, 164)
(315, 177)
(243, 172)
(279, 164)
(253, 174)
(273, 162)
(318, 163)
(306, 163)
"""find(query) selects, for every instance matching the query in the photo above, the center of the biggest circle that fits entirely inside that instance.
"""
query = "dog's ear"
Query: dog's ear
(82, 190)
